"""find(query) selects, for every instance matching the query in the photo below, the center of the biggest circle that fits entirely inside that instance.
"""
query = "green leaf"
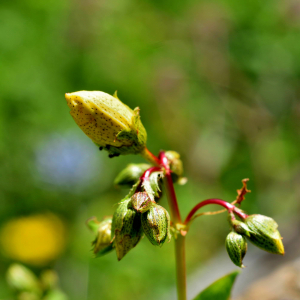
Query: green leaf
(220, 289)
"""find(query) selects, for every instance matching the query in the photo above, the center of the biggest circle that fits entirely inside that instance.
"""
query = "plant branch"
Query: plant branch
(230, 208)
(150, 157)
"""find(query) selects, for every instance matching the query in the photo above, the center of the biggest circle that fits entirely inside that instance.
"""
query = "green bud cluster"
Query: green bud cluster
(259, 230)
(135, 217)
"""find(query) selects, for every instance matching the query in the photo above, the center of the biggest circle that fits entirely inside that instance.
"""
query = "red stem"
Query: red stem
(230, 207)
(174, 208)
(149, 171)
(151, 157)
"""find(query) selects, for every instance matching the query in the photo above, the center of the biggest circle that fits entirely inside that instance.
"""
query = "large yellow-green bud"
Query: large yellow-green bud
(236, 247)
(156, 225)
(126, 229)
(110, 124)
(264, 234)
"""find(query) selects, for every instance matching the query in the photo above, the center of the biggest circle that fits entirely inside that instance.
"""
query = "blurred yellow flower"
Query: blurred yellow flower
(35, 240)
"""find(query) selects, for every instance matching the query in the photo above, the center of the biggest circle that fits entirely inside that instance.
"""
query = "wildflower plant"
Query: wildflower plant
(116, 128)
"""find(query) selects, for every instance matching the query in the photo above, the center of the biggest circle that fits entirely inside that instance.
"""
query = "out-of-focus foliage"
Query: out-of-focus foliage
(217, 81)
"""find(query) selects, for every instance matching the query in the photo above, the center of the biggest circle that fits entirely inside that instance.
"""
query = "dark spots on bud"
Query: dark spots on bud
(113, 155)
(100, 148)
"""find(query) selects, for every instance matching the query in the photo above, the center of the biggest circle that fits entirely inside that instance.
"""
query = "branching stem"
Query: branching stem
(230, 208)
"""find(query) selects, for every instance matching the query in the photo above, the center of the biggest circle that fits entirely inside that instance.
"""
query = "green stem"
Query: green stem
(180, 267)
(150, 157)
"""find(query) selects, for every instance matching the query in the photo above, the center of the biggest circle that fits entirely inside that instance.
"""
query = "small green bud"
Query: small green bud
(126, 228)
(102, 244)
(22, 279)
(236, 247)
(156, 225)
(176, 165)
(130, 175)
(141, 202)
(110, 123)
(264, 233)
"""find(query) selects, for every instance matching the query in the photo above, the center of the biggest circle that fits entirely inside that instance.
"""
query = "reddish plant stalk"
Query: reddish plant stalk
(149, 171)
(230, 207)
(150, 157)
(173, 203)
(162, 161)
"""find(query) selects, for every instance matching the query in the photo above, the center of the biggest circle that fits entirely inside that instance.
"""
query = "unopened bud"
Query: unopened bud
(130, 175)
(176, 165)
(264, 233)
(22, 279)
(141, 202)
(126, 228)
(108, 122)
(156, 225)
(236, 247)
(102, 244)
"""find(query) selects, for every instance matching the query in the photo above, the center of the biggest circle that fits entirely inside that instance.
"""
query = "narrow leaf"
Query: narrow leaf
(220, 289)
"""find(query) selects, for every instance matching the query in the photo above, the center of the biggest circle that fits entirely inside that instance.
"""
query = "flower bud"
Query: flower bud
(141, 202)
(22, 279)
(236, 247)
(110, 123)
(126, 228)
(176, 165)
(156, 225)
(130, 175)
(264, 233)
(102, 244)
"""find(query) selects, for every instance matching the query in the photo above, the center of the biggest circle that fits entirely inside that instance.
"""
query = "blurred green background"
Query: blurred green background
(217, 81)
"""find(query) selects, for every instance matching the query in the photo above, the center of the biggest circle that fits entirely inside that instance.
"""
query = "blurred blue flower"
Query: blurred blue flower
(67, 162)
